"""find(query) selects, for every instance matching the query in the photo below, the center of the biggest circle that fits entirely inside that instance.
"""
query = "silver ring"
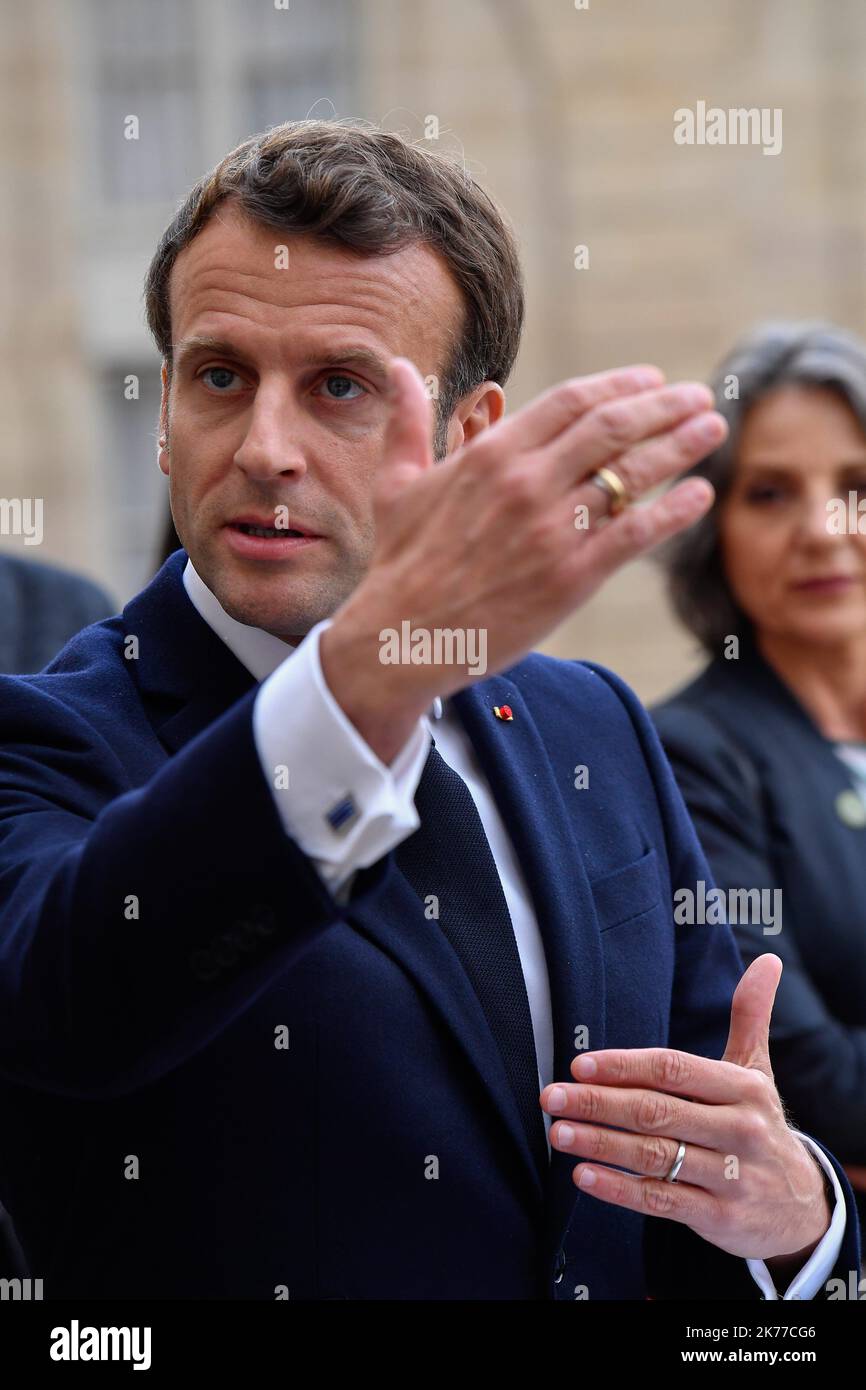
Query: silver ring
(677, 1164)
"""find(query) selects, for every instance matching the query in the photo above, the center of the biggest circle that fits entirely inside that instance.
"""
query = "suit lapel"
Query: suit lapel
(186, 674)
(530, 796)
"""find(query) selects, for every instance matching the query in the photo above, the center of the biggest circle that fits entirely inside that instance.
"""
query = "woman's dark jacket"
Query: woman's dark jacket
(774, 806)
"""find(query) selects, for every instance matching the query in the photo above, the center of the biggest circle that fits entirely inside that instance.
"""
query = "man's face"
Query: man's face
(286, 428)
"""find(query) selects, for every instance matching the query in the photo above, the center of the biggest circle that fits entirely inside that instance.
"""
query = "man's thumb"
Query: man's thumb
(407, 448)
(751, 1010)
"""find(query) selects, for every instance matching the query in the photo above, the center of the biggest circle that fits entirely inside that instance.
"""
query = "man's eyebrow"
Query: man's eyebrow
(202, 342)
(329, 357)
(360, 356)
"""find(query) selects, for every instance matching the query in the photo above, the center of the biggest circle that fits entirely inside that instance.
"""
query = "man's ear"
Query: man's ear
(479, 410)
(162, 449)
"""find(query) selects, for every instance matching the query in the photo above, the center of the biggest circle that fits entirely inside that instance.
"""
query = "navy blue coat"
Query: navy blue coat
(306, 1169)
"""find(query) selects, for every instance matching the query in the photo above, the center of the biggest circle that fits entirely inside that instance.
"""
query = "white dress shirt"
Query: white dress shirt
(322, 774)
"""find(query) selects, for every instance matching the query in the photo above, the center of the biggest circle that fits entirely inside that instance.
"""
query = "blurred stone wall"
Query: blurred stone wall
(568, 116)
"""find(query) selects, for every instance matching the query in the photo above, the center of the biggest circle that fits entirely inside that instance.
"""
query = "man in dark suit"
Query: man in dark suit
(293, 1003)
(41, 607)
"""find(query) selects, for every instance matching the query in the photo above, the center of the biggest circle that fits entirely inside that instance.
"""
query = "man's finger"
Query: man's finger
(648, 465)
(646, 1155)
(666, 1069)
(636, 530)
(407, 447)
(641, 1111)
(751, 1010)
(557, 409)
(690, 1206)
(608, 431)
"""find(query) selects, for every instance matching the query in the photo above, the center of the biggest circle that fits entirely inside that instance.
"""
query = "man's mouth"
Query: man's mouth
(266, 532)
(253, 538)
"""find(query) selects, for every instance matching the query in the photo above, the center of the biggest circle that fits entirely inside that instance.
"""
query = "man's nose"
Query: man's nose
(272, 444)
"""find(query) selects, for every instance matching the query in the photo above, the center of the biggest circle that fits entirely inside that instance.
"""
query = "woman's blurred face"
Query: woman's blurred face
(799, 447)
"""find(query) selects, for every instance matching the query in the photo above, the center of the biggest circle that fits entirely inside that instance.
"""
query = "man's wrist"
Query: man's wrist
(382, 702)
(784, 1268)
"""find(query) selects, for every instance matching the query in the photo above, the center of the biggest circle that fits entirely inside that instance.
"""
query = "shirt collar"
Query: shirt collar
(256, 649)
(259, 651)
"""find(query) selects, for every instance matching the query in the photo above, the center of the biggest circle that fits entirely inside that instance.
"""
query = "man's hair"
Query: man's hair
(772, 355)
(374, 192)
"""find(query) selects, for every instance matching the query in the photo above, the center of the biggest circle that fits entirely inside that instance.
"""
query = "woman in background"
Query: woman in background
(768, 744)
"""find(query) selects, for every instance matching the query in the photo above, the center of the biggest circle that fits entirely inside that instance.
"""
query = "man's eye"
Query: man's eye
(339, 386)
(220, 374)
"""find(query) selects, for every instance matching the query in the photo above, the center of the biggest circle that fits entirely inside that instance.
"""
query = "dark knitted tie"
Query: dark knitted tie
(449, 856)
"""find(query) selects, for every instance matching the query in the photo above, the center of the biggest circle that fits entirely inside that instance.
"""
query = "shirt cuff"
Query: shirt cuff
(822, 1261)
(337, 800)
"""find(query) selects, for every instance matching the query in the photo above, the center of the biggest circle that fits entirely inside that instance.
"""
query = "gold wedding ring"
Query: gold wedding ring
(613, 485)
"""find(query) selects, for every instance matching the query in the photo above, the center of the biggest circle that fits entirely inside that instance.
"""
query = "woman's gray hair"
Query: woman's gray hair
(770, 356)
